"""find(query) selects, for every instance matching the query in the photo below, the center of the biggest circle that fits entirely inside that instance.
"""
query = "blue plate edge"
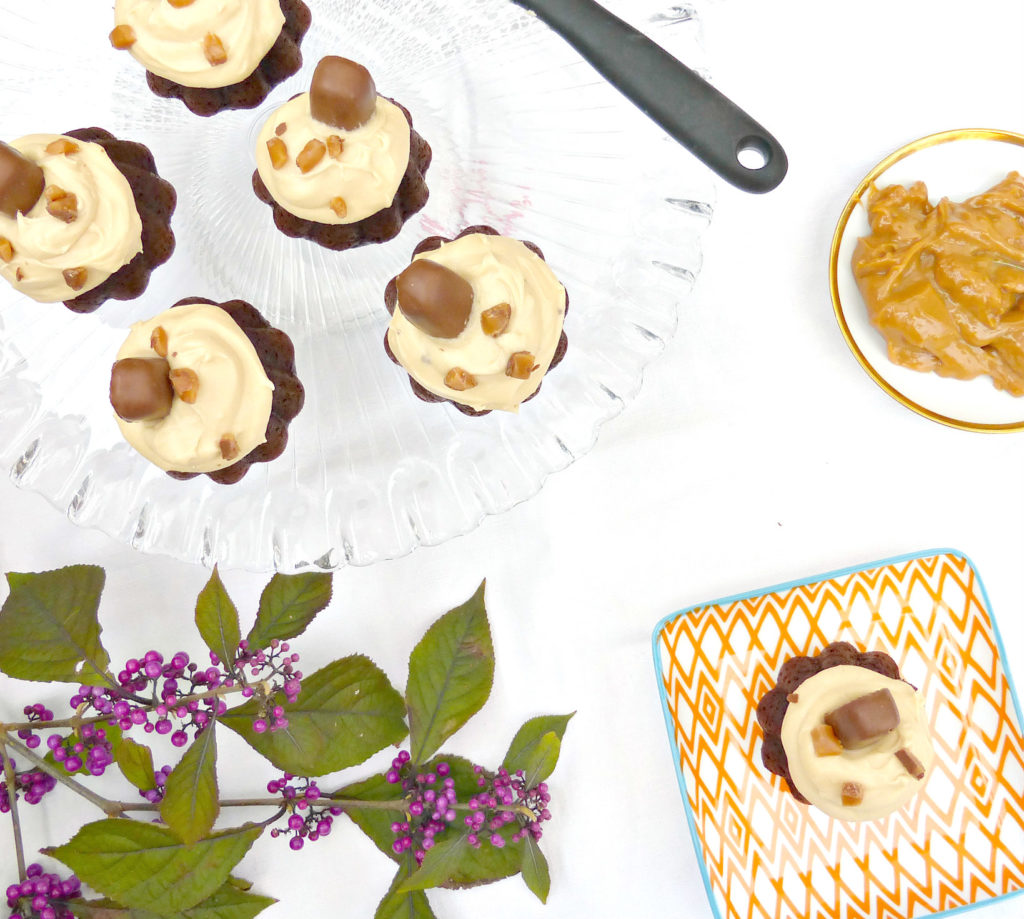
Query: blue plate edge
(787, 585)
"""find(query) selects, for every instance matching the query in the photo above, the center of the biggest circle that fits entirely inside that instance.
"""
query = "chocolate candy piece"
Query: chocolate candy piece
(911, 763)
(434, 299)
(140, 388)
(342, 93)
(863, 720)
(21, 182)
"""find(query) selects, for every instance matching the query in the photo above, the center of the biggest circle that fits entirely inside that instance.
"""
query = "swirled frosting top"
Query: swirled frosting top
(105, 234)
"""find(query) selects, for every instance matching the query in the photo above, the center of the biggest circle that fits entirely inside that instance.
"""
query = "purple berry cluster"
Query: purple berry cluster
(42, 896)
(431, 800)
(504, 802)
(31, 785)
(308, 819)
(271, 671)
(37, 712)
(155, 694)
(87, 748)
(156, 794)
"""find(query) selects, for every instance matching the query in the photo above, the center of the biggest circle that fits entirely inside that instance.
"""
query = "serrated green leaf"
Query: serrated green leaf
(217, 619)
(403, 904)
(451, 671)
(453, 862)
(345, 713)
(543, 759)
(145, 866)
(373, 822)
(49, 630)
(535, 870)
(523, 749)
(229, 902)
(113, 733)
(288, 604)
(191, 800)
(135, 761)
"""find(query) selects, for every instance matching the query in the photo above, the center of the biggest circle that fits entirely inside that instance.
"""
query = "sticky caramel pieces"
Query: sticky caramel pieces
(342, 93)
(140, 388)
(825, 741)
(852, 794)
(865, 719)
(21, 182)
(434, 299)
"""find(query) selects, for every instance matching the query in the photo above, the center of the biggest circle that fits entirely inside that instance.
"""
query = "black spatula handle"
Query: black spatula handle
(689, 108)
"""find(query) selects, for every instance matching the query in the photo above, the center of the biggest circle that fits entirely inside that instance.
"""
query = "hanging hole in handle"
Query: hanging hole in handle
(753, 153)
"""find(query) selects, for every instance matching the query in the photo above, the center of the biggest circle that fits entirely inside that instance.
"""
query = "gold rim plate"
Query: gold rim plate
(954, 164)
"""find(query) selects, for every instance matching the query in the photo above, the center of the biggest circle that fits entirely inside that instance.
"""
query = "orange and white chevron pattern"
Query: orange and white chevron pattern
(959, 842)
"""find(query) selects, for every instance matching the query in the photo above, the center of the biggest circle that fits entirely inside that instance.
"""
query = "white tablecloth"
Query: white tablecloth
(757, 452)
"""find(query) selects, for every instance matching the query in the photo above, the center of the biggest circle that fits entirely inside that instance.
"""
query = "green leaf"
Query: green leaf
(450, 675)
(135, 761)
(523, 751)
(398, 904)
(49, 630)
(191, 801)
(113, 733)
(373, 822)
(345, 713)
(227, 903)
(453, 862)
(145, 866)
(217, 619)
(288, 604)
(542, 762)
(535, 869)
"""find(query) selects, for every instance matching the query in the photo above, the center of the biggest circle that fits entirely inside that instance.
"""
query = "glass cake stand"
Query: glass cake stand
(526, 138)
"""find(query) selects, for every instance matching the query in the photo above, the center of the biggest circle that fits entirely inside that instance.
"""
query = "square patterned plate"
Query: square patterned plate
(763, 855)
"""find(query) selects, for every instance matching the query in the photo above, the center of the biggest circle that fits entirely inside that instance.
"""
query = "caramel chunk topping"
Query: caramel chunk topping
(228, 447)
(61, 204)
(793, 697)
(214, 50)
(495, 320)
(62, 145)
(19, 275)
(281, 128)
(911, 763)
(864, 720)
(459, 379)
(852, 794)
(311, 154)
(140, 388)
(334, 146)
(6, 249)
(158, 340)
(21, 182)
(186, 384)
(342, 93)
(180, 4)
(825, 741)
(278, 151)
(434, 298)
(520, 365)
(339, 206)
(75, 278)
(123, 37)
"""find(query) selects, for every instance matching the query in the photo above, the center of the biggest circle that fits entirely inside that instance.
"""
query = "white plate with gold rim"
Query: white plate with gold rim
(953, 164)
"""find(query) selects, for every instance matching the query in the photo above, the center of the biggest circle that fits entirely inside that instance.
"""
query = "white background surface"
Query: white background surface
(757, 452)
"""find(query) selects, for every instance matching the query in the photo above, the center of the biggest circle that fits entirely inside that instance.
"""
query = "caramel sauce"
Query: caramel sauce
(944, 284)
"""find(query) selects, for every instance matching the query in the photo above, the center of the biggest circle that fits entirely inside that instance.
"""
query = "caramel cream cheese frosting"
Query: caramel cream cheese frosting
(365, 175)
(104, 235)
(887, 784)
(170, 39)
(233, 398)
(500, 270)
